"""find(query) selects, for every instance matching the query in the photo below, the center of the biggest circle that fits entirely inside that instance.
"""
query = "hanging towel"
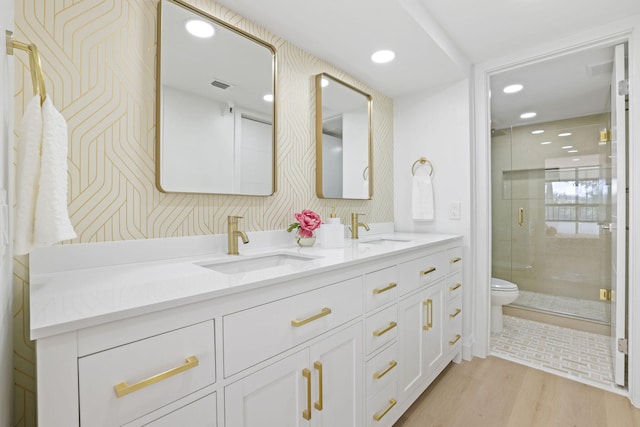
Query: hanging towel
(29, 142)
(422, 198)
(52, 224)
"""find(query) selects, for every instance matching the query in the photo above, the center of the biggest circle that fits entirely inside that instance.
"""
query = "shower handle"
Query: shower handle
(521, 217)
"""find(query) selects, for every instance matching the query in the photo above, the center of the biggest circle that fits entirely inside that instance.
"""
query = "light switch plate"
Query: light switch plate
(454, 210)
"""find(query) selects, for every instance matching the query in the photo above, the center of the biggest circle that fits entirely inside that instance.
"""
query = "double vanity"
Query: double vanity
(167, 332)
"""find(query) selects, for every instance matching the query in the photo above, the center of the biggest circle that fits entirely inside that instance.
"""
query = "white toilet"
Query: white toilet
(502, 292)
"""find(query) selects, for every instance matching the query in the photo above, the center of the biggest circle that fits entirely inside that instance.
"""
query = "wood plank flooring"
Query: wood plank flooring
(494, 392)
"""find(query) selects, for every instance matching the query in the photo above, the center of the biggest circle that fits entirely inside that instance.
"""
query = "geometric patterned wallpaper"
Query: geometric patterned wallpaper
(98, 58)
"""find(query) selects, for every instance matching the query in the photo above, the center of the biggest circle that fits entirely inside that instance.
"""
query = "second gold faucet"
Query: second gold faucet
(233, 233)
(355, 224)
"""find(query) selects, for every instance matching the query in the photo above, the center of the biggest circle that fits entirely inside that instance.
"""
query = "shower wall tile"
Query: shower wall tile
(98, 58)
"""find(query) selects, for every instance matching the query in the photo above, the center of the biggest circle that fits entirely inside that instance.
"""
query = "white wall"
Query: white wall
(436, 125)
(6, 264)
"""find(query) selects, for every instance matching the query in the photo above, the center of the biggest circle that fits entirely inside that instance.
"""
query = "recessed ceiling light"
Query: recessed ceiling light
(528, 115)
(564, 147)
(324, 82)
(565, 134)
(268, 97)
(199, 28)
(383, 56)
(602, 143)
(576, 160)
(545, 142)
(513, 88)
(572, 151)
(537, 132)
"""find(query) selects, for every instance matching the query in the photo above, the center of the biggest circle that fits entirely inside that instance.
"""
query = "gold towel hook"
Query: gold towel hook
(422, 161)
(35, 66)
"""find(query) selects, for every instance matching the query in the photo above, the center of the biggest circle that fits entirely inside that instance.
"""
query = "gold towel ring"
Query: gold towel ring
(422, 161)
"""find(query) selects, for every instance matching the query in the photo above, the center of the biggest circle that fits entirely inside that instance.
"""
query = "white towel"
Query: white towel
(42, 217)
(52, 216)
(29, 142)
(422, 198)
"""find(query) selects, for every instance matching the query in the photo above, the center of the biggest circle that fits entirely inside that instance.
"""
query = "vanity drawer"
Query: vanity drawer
(381, 371)
(454, 257)
(382, 409)
(185, 357)
(381, 287)
(201, 413)
(453, 287)
(422, 271)
(255, 334)
(381, 328)
(453, 320)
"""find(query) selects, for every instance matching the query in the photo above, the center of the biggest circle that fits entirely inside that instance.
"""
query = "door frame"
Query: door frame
(624, 31)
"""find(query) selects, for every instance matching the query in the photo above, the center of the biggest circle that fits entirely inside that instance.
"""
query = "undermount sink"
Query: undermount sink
(382, 241)
(255, 263)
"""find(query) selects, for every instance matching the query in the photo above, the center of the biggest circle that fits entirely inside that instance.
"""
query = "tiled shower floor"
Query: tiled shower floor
(577, 355)
(592, 310)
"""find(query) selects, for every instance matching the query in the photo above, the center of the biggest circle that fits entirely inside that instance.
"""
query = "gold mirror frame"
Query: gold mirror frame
(356, 174)
(164, 184)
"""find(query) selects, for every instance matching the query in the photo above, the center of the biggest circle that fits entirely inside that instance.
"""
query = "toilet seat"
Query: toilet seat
(499, 285)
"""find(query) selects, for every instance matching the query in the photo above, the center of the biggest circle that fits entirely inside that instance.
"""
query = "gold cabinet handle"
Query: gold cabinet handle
(385, 330)
(385, 289)
(307, 412)
(521, 217)
(379, 415)
(429, 313)
(381, 374)
(455, 313)
(123, 388)
(453, 288)
(456, 259)
(455, 340)
(318, 404)
(325, 312)
(427, 271)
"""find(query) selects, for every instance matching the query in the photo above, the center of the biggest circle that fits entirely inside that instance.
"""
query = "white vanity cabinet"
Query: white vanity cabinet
(349, 344)
(318, 386)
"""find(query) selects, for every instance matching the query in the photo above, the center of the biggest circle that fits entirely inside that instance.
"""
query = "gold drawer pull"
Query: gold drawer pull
(429, 314)
(379, 375)
(385, 289)
(325, 312)
(123, 388)
(455, 340)
(306, 413)
(453, 288)
(318, 404)
(385, 330)
(427, 271)
(455, 313)
(378, 416)
(456, 259)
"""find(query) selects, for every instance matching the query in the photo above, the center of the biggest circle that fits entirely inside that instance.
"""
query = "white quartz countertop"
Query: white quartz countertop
(66, 297)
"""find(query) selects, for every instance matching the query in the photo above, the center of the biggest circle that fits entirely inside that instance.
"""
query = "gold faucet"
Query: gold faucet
(355, 224)
(233, 233)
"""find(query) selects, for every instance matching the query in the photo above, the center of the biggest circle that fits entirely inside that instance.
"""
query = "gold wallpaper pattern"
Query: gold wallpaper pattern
(98, 58)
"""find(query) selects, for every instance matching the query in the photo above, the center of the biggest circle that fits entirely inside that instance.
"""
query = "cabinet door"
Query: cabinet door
(337, 366)
(274, 396)
(420, 332)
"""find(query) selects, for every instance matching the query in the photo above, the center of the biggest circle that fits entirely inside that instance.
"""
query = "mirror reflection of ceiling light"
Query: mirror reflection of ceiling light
(545, 143)
(268, 97)
(576, 160)
(564, 147)
(383, 56)
(324, 82)
(199, 28)
(602, 143)
(537, 132)
(513, 88)
(528, 115)
(572, 151)
(565, 134)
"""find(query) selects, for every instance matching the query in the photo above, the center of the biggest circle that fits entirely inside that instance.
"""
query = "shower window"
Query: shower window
(573, 200)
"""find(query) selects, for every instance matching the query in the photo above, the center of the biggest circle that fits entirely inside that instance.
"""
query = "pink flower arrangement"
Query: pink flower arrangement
(307, 222)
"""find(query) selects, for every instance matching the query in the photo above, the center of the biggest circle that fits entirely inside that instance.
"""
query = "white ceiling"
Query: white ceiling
(435, 41)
